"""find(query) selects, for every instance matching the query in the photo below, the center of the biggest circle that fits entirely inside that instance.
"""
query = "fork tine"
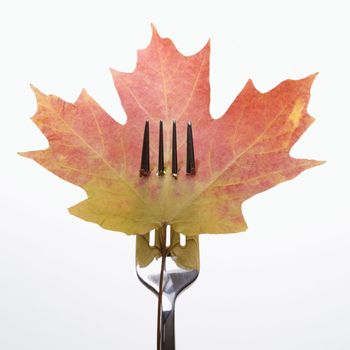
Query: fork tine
(144, 168)
(161, 171)
(191, 166)
(174, 168)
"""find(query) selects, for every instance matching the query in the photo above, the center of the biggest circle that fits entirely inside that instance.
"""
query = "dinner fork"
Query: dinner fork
(167, 262)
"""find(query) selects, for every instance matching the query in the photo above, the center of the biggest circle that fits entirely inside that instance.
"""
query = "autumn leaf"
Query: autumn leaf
(244, 152)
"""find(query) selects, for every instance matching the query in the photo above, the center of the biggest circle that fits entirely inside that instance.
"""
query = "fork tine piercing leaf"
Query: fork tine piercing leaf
(145, 168)
(174, 168)
(242, 153)
(161, 170)
(191, 166)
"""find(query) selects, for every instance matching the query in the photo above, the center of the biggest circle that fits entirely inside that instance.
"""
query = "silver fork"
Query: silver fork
(167, 271)
(166, 266)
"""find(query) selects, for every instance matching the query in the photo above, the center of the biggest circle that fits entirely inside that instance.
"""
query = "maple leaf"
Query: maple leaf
(244, 152)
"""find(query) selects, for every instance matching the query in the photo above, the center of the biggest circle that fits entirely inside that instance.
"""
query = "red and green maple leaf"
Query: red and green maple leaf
(244, 152)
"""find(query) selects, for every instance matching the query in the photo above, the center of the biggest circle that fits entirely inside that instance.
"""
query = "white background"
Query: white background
(67, 284)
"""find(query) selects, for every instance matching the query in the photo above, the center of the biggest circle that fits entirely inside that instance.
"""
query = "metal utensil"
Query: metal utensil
(167, 262)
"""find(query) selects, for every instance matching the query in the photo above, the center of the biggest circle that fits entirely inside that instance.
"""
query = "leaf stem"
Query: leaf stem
(163, 250)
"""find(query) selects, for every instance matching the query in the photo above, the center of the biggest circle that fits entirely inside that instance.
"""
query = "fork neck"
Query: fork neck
(161, 318)
(167, 328)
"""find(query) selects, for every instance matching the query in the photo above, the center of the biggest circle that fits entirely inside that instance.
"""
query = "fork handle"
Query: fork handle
(167, 332)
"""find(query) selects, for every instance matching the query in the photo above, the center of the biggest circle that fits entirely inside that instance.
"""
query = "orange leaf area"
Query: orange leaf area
(244, 152)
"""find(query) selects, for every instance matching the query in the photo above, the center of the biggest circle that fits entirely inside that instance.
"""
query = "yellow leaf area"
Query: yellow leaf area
(244, 152)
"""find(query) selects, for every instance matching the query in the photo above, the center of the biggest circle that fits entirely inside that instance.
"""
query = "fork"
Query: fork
(167, 262)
